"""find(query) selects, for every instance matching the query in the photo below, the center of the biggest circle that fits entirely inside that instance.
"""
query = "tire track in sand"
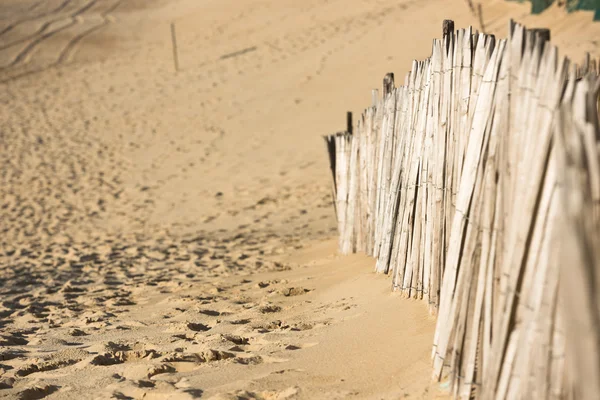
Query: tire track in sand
(74, 22)
(31, 46)
(70, 47)
(18, 22)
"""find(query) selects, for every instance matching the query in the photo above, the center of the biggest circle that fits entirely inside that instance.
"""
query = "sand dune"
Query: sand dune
(169, 235)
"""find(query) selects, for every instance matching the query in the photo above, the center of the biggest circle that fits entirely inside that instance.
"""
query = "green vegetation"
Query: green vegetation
(537, 6)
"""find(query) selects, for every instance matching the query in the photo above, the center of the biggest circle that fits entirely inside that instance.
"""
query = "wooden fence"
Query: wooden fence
(476, 186)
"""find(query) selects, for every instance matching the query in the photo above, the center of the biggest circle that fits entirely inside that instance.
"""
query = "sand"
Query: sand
(170, 234)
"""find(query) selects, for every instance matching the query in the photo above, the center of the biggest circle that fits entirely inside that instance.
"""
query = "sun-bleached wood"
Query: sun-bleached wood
(476, 186)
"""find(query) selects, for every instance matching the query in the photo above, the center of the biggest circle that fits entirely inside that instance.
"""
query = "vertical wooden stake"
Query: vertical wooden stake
(447, 28)
(174, 40)
(388, 84)
(349, 122)
(542, 33)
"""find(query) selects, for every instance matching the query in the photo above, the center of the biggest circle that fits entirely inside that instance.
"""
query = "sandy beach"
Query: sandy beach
(170, 234)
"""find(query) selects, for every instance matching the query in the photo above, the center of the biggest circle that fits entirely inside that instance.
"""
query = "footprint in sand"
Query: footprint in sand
(183, 362)
(239, 340)
(284, 394)
(264, 327)
(7, 355)
(211, 313)
(300, 346)
(269, 308)
(7, 383)
(160, 369)
(58, 360)
(188, 337)
(77, 332)
(137, 389)
(302, 326)
(123, 356)
(251, 360)
(293, 291)
(15, 339)
(37, 392)
(240, 322)
(183, 327)
(197, 327)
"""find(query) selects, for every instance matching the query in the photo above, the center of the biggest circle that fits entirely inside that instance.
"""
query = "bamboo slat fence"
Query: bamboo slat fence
(476, 186)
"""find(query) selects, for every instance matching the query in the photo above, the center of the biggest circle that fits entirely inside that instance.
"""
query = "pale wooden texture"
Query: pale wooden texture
(476, 185)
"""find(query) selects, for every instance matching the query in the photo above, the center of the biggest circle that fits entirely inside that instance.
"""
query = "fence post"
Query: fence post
(174, 42)
(388, 83)
(349, 122)
(542, 33)
(447, 28)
